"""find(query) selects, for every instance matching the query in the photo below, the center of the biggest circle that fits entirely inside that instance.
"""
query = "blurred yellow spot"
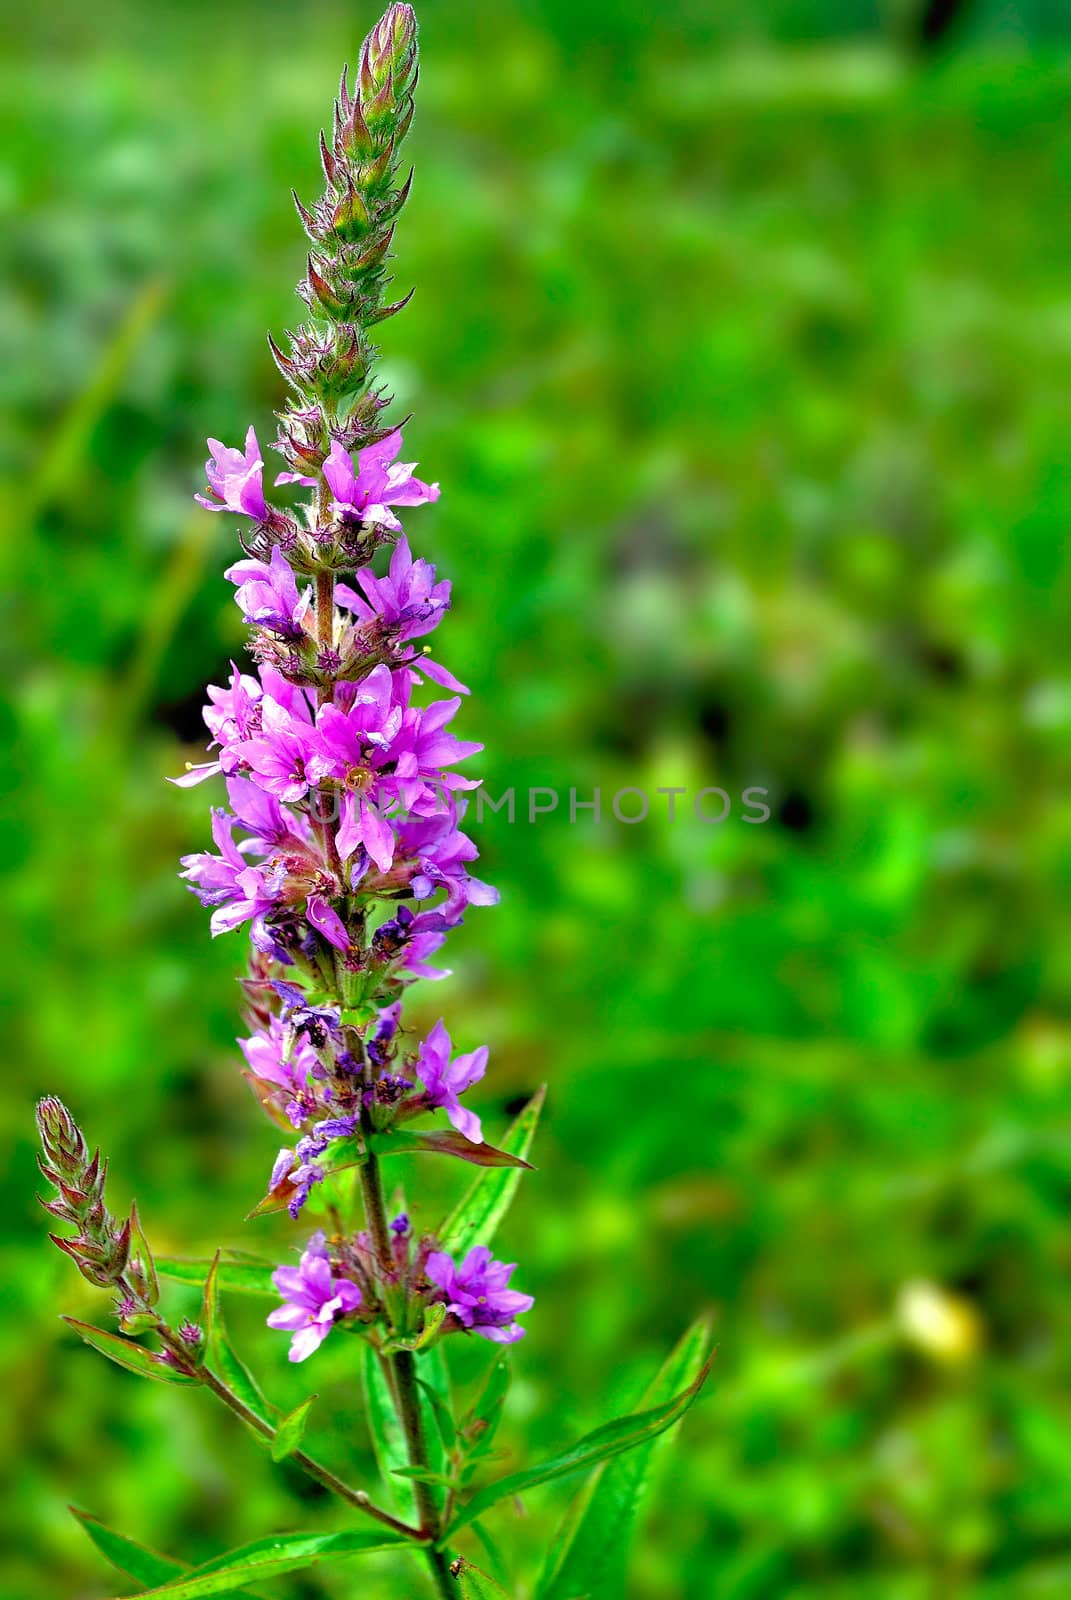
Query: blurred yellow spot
(943, 1326)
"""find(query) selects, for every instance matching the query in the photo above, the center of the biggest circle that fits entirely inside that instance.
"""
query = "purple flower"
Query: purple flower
(316, 1299)
(380, 1044)
(300, 1167)
(280, 1056)
(268, 596)
(349, 737)
(319, 1022)
(421, 751)
(444, 1079)
(235, 479)
(263, 818)
(476, 1293)
(412, 938)
(441, 852)
(227, 881)
(378, 482)
(326, 920)
(231, 715)
(277, 757)
(408, 599)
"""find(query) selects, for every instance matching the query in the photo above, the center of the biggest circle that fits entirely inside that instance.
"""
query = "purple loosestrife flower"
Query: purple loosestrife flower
(444, 1079)
(279, 1056)
(423, 749)
(268, 596)
(476, 1293)
(410, 940)
(408, 603)
(347, 744)
(235, 479)
(380, 1045)
(231, 715)
(315, 1299)
(326, 920)
(264, 819)
(440, 852)
(408, 599)
(277, 756)
(299, 1168)
(320, 1023)
(227, 881)
(377, 482)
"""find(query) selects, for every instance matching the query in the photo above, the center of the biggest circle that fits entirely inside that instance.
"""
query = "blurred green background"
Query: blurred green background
(741, 347)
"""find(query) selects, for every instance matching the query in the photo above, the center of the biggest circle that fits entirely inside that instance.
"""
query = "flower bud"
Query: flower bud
(100, 1248)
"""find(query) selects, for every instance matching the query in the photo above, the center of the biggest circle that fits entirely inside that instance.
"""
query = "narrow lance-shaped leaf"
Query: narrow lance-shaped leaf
(445, 1143)
(291, 1430)
(493, 1555)
(136, 1560)
(388, 1441)
(477, 1215)
(235, 1277)
(434, 1379)
(613, 1438)
(424, 1475)
(144, 1256)
(125, 1353)
(220, 1354)
(482, 1422)
(132, 1558)
(269, 1558)
(477, 1584)
(590, 1550)
(441, 1411)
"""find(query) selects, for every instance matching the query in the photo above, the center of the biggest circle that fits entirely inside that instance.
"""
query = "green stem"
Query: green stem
(325, 610)
(407, 1399)
(404, 1392)
(375, 1209)
(325, 638)
(353, 1497)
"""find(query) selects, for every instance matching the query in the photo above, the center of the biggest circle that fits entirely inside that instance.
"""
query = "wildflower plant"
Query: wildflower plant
(342, 850)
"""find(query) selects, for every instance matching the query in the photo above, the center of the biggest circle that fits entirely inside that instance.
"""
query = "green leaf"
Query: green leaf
(388, 1441)
(140, 1248)
(221, 1355)
(494, 1555)
(477, 1215)
(433, 1316)
(477, 1584)
(434, 1379)
(424, 1475)
(134, 1357)
(291, 1430)
(270, 1558)
(446, 1143)
(211, 1315)
(613, 1438)
(590, 1550)
(136, 1560)
(441, 1411)
(236, 1277)
(488, 1410)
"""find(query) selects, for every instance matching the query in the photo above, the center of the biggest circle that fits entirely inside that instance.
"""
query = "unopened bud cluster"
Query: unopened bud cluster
(330, 358)
(100, 1248)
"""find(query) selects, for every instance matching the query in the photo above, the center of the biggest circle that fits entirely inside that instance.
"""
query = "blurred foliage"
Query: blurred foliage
(741, 348)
